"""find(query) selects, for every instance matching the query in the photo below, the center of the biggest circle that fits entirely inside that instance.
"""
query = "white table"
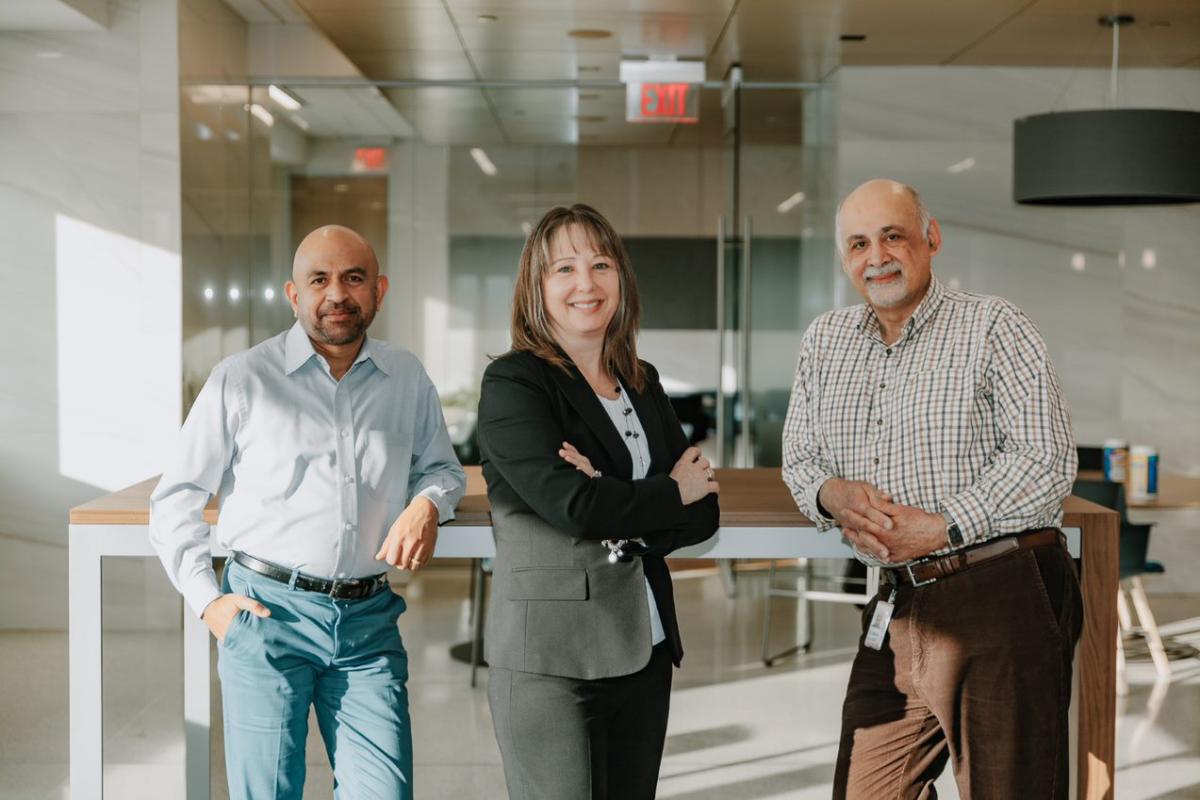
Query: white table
(89, 542)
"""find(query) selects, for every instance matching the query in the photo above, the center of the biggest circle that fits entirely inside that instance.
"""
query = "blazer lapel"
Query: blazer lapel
(652, 423)
(587, 405)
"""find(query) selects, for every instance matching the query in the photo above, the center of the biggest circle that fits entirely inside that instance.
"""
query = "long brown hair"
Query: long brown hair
(531, 328)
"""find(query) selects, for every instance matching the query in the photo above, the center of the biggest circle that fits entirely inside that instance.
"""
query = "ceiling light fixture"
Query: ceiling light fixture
(286, 99)
(1078, 262)
(1149, 258)
(268, 294)
(234, 293)
(261, 114)
(1107, 157)
(208, 293)
(790, 203)
(485, 164)
(961, 166)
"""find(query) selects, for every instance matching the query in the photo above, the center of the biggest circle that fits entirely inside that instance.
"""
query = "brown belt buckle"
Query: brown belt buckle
(913, 578)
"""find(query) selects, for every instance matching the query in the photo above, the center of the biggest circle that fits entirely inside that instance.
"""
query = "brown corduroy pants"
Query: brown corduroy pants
(975, 670)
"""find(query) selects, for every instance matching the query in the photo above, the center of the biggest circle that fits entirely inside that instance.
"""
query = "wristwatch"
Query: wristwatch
(953, 532)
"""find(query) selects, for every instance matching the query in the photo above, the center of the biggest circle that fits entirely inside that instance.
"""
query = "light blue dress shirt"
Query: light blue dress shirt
(310, 471)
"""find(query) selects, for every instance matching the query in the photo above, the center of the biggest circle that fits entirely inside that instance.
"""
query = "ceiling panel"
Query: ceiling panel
(415, 65)
(773, 40)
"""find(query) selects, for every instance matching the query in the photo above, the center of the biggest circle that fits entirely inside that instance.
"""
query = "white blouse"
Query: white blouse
(629, 427)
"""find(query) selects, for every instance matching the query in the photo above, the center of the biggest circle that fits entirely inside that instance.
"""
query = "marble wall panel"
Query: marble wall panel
(88, 141)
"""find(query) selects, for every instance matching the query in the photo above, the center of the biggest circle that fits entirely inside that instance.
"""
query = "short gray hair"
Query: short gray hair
(923, 215)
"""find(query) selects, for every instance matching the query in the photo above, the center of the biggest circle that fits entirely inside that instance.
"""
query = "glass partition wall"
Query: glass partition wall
(446, 182)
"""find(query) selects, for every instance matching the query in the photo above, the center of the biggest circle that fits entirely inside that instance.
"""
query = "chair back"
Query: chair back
(1135, 539)
(1090, 457)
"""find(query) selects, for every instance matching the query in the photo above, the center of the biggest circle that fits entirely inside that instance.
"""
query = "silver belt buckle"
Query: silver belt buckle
(913, 578)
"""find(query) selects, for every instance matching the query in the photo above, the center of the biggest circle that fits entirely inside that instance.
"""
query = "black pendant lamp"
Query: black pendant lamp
(1109, 157)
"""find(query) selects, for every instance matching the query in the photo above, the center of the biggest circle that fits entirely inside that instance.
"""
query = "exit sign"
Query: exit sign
(662, 102)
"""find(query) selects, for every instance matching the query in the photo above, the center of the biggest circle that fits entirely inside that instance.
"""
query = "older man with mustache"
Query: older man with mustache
(929, 426)
(331, 460)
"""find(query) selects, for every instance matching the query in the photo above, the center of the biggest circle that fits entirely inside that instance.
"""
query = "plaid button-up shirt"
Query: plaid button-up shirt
(962, 414)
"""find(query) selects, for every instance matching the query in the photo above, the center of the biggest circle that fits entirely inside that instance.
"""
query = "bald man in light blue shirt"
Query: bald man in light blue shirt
(331, 460)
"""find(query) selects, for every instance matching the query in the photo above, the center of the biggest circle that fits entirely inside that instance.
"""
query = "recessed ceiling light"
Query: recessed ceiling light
(791, 202)
(484, 163)
(268, 294)
(961, 166)
(234, 293)
(208, 293)
(1078, 262)
(589, 33)
(486, 18)
(853, 37)
(287, 100)
(261, 114)
(1149, 258)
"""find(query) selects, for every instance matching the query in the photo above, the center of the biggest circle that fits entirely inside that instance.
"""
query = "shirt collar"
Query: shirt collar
(298, 349)
(934, 295)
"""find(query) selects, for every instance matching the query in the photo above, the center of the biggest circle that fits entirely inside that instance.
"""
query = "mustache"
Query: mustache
(339, 308)
(882, 270)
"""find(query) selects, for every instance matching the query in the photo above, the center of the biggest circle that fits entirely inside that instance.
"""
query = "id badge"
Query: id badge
(880, 620)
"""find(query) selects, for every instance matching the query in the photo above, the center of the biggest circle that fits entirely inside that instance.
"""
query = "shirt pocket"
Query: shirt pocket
(936, 418)
(386, 458)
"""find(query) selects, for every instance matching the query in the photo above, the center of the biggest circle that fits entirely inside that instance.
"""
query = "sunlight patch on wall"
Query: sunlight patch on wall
(119, 386)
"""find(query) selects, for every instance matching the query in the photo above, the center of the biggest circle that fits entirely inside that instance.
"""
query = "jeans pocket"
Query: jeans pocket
(236, 624)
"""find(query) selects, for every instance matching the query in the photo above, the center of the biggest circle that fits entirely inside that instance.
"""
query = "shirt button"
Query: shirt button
(883, 386)
(345, 433)
(349, 526)
(876, 460)
(349, 479)
(887, 352)
(878, 422)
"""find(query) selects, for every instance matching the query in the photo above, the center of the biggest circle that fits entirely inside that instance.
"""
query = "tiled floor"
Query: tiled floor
(738, 730)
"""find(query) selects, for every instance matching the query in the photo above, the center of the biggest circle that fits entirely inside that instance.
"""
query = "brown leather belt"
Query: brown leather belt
(928, 570)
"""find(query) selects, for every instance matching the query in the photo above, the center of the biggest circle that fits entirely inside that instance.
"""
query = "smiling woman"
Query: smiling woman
(591, 483)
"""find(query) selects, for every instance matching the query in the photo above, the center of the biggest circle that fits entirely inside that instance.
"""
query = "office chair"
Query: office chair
(1090, 457)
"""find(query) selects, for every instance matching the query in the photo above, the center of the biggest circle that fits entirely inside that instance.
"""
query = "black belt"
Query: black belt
(337, 588)
(928, 570)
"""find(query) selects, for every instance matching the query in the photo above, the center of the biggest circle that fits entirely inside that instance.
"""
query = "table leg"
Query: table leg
(1097, 657)
(197, 722)
(85, 657)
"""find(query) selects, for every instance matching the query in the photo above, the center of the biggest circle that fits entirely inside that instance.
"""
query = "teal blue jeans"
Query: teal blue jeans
(343, 657)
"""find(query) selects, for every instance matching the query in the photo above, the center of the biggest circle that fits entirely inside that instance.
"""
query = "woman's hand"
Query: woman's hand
(693, 472)
(581, 462)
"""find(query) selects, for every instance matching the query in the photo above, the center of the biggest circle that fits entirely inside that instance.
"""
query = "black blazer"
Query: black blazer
(558, 607)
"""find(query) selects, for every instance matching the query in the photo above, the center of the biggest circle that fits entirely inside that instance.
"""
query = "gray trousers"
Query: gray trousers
(570, 739)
